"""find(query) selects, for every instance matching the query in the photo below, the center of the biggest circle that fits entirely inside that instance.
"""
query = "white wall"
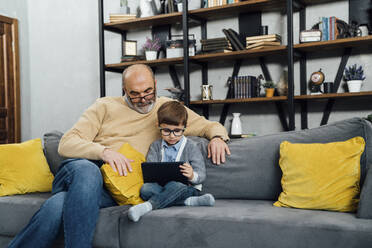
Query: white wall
(60, 65)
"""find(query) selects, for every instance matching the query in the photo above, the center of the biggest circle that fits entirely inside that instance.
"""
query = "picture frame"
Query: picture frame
(129, 48)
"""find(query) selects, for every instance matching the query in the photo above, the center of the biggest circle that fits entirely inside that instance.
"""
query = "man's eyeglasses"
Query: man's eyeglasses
(147, 97)
(167, 131)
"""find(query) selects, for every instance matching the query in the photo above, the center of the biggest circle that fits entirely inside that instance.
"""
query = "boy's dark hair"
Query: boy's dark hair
(172, 113)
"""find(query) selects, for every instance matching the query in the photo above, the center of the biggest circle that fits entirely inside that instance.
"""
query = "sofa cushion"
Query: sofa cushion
(24, 168)
(252, 170)
(51, 142)
(365, 203)
(245, 223)
(321, 176)
(125, 189)
(20, 208)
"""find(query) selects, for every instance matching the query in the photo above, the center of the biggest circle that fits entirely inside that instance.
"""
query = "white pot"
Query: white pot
(236, 125)
(354, 85)
(151, 55)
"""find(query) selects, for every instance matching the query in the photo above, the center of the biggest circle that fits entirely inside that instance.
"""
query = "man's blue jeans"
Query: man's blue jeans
(172, 194)
(78, 194)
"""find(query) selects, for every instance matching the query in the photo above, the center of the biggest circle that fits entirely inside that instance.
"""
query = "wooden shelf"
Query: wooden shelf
(217, 12)
(234, 9)
(152, 63)
(277, 50)
(202, 58)
(284, 98)
(334, 44)
(144, 22)
(240, 54)
(334, 95)
(243, 100)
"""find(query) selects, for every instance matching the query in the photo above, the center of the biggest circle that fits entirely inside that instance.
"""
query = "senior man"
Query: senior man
(78, 191)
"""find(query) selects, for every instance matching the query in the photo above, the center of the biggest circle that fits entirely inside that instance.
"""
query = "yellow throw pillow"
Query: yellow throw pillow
(24, 169)
(125, 189)
(321, 176)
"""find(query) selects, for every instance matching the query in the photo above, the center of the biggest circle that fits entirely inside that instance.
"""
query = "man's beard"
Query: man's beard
(140, 107)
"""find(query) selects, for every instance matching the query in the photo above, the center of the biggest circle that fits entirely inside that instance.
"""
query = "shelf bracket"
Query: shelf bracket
(279, 106)
(226, 106)
(328, 109)
(174, 77)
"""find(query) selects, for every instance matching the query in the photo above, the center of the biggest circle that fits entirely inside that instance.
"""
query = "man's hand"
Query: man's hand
(187, 171)
(118, 162)
(217, 148)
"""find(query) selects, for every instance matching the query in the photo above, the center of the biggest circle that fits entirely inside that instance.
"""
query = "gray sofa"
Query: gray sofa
(245, 188)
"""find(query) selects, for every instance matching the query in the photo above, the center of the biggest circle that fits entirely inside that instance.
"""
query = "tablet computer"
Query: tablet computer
(162, 172)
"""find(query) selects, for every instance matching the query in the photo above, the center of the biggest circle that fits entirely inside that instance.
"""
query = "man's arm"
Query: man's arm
(78, 141)
(199, 126)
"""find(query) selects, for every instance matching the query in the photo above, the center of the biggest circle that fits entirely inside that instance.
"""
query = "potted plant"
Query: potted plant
(151, 48)
(269, 88)
(354, 77)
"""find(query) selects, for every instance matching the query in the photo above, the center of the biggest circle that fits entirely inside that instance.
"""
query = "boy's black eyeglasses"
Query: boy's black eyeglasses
(167, 131)
(147, 97)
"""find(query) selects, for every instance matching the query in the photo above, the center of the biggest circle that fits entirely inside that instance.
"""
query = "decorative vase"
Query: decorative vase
(354, 85)
(282, 85)
(236, 125)
(269, 92)
(151, 55)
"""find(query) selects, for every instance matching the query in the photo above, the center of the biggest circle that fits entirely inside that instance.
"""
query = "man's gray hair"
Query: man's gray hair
(146, 67)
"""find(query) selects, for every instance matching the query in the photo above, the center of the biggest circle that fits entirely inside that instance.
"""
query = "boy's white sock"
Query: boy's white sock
(204, 200)
(137, 211)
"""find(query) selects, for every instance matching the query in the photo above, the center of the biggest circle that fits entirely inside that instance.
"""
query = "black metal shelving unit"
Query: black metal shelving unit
(246, 11)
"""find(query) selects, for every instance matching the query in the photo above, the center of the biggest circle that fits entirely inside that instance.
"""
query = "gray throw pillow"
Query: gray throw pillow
(51, 142)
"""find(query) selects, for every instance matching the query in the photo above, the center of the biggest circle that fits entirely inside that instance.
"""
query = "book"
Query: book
(264, 43)
(267, 36)
(234, 45)
(236, 37)
(260, 40)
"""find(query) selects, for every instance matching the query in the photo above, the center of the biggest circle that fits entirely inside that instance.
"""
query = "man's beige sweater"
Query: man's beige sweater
(110, 122)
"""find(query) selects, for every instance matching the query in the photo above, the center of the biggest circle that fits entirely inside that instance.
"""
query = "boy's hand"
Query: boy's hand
(118, 162)
(187, 171)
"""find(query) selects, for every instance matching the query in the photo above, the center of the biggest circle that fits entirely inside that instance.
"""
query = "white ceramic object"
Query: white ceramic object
(354, 85)
(150, 55)
(147, 9)
(236, 125)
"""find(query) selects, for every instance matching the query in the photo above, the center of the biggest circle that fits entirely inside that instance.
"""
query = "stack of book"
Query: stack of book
(328, 26)
(216, 45)
(129, 58)
(214, 3)
(244, 87)
(121, 17)
(262, 41)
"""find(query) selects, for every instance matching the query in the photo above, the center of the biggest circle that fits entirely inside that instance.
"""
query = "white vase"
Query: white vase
(354, 85)
(150, 55)
(236, 125)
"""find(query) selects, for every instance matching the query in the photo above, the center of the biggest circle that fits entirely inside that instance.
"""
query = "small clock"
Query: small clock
(317, 78)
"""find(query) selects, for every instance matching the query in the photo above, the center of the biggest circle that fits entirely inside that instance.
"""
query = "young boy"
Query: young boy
(173, 146)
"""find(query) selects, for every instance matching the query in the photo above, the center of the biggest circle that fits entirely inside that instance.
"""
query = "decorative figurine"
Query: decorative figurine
(316, 80)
